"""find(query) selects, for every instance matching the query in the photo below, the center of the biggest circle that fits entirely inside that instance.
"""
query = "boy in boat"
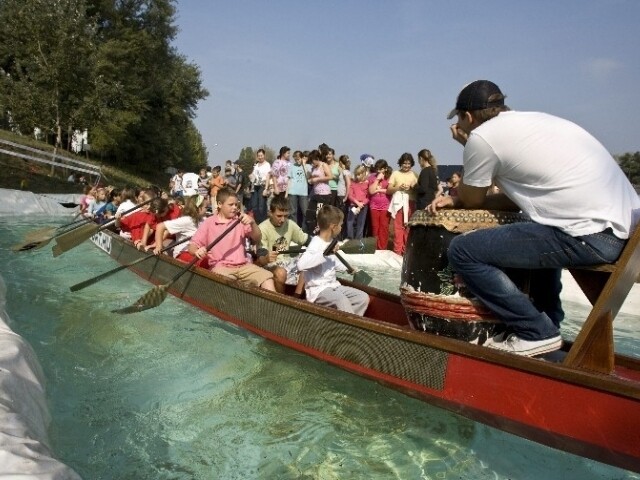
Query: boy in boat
(228, 257)
(278, 231)
(322, 286)
(581, 203)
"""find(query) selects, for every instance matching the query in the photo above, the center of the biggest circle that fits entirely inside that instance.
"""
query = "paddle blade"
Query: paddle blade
(362, 277)
(151, 299)
(364, 245)
(73, 238)
(23, 247)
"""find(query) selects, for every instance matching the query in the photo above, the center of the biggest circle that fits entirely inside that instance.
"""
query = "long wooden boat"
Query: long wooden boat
(570, 408)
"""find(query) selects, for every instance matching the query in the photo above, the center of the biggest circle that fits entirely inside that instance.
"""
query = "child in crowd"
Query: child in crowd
(97, 203)
(128, 199)
(322, 286)
(132, 225)
(379, 201)
(230, 179)
(183, 228)
(87, 197)
(203, 183)
(278, 231)
(358, 203)
(216, 183)
(112, 205)
(228, 257)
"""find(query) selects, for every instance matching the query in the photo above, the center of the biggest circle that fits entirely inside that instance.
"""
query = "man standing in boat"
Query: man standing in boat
(582, 206)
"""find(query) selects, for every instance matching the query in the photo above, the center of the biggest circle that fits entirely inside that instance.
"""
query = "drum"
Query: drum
(434, 297)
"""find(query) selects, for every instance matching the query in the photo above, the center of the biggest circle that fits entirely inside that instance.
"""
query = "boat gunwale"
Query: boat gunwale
(555, 371)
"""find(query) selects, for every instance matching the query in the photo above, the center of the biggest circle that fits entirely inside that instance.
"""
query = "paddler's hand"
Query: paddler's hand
(246, 219)
(458, 134)
(440, 202)
(201, 253)
(272, 257)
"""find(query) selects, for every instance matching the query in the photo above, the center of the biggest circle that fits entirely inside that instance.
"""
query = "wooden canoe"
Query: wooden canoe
(567, 407)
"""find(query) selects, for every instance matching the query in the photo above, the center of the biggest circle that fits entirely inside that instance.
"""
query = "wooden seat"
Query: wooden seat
(606, 287)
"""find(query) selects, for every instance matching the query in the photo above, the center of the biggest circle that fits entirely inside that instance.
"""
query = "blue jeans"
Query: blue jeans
(298, 205)
(355, 223)
(259, 205)
(480, 258)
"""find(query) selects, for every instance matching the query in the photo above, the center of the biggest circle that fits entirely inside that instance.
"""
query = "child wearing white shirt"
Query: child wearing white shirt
(321, 284)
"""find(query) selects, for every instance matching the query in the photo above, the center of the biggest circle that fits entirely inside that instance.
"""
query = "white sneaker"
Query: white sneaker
(528, 348)
(499, 338)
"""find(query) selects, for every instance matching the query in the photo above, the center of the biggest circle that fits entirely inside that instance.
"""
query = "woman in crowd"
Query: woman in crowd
(379, 203)
(401, 187)
(428, 187)
(321, 192)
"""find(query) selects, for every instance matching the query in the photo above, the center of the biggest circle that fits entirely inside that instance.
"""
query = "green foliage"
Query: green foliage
(104, 65)
(630, 165)
(246, 159)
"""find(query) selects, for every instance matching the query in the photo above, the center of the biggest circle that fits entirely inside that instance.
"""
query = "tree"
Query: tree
(105, 65)
(246, 159)
(46, 57)
(630, 165)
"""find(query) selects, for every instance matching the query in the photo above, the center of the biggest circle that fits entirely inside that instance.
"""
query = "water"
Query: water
(173, 393)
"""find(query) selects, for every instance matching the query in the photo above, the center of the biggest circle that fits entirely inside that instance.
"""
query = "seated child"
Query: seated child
(161, 210)
(195, 208)
(132, 225)
(278, 231)
(228, 257)
(322, 286)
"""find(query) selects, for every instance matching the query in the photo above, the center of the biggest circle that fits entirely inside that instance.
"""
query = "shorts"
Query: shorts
(249, 273)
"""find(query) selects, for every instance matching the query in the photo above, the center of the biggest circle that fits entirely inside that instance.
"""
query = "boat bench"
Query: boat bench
(606, 286)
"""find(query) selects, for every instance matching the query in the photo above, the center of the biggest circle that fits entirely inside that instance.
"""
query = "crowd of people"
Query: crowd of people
(372, 197)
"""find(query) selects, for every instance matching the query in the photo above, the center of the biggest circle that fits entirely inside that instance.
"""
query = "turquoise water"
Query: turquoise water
(173, 393)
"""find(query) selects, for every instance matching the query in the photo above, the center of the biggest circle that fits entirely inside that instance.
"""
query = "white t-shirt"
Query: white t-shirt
(554, 170)
(319, 271)
(260, 173)
(183, 228)
(190, 184)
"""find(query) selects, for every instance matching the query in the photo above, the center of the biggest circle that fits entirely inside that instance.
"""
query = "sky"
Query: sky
(379, 77)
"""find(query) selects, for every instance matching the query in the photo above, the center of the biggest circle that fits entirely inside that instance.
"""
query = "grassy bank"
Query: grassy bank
(21, 174)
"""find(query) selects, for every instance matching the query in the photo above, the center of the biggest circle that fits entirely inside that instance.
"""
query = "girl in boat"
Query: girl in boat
(183, 228)
(160, 210)
(132, 225)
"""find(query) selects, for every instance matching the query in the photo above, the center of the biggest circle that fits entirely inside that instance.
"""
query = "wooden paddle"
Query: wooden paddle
(75, 237)
(96, 279)
(156, 295)
(359, 276)
(39, 238)
(361, 246)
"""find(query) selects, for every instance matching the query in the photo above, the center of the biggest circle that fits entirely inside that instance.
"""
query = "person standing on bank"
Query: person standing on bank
(401, 187)
(428, 187)
(260, 177)
(581, 205)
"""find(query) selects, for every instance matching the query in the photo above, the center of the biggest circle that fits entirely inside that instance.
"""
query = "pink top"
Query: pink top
(359, 191)
(228, 252)
(378, 201)
(320, 188)
(280, 173)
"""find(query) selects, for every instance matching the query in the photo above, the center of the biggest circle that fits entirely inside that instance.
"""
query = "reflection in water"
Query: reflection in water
(174, 393)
